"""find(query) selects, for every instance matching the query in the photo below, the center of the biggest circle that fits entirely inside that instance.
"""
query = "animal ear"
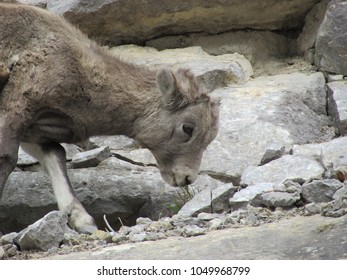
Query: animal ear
(167, 85)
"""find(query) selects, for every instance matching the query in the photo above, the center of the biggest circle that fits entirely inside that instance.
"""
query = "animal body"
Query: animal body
(57, 86)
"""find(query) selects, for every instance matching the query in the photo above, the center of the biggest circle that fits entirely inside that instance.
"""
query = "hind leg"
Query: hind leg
(52, 158)
(9, 145)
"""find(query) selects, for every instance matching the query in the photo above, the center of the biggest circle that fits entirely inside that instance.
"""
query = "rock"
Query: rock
(8, 251)
(337, 104)
(117, 142)
(211, 72)
(335, 208)
(103, 235)
(137, 237)
(162, 225)
(207, 216)
(288, 167)
(265, 110)
(321, 190)
(257, 46)
(216, 200)
(139, 156)
(330, 49)
(193, 230)
(331, 154)
(273, 151)
(275, 199)
(320, 238)
(24, 159)
(44, 234)
(91, 158)
(116, 238)
(313, 20)
(312, 209)
(109, 21)
(8, 238)
(341, 193)
(334, 78)
(115, 188)
(143, 221)
(216, 223)
(2, 253)
(242, 198)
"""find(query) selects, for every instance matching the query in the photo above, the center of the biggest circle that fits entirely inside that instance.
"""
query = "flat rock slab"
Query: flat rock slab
(313, 237)
(135, 21)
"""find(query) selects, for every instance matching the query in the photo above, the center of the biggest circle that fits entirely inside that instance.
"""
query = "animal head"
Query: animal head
(187, 124)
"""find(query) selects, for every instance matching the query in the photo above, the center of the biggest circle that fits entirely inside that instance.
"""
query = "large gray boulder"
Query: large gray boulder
(331, 52)
(117, 21)
(283, 109)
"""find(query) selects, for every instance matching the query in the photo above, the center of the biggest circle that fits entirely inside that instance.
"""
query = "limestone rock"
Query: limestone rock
(313, 20)
(119, 22)
(91, 158)
(44, 234)
(211, 72)
(216, 198)
(275, 199)
(273, 151)
(321, 190)
(332, 154)
(286, 168)
(243, 197)
(264, 110)
(256, 46)
(337, 102)
(331, 53)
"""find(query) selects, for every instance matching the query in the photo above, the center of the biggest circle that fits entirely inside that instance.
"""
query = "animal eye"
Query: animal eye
(188, 129)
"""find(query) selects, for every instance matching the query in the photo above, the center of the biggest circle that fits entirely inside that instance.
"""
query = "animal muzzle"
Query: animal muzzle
(183, 179)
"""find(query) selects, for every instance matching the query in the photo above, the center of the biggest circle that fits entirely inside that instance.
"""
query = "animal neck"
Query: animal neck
(129, 101)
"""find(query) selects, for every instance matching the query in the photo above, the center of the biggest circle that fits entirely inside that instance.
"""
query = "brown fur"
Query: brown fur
(58, 86)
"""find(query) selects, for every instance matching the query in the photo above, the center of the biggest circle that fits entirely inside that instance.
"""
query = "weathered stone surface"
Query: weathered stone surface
(262, 111)
(91, 158)
(193, 230)
(25, 159)
(2, 253)
(320, 238)
(117, 142)
(321, 190)
(210, 71)
(286, 168)
(45, 233)
(275, 199)
(337, 104)
(313, 20)
(215, 199)
(242, 198)
(273, 151)
(332, 154)
(138, 156)
(331, 53)
(119, 22)
(256, 46)
(8, 238)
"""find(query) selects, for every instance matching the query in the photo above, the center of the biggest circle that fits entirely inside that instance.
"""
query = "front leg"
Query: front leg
(53, 160)
(9, 145)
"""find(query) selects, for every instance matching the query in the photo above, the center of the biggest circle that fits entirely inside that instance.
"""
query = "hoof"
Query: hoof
(86, 229)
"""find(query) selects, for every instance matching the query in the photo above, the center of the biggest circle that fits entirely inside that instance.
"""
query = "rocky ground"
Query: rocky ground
(276, 171)
(285, 187)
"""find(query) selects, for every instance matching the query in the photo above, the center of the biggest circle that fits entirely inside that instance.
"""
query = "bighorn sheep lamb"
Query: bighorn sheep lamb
(57, 86)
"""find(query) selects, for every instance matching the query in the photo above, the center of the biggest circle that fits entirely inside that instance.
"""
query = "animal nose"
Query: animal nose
(184, 179)
(188, 180)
